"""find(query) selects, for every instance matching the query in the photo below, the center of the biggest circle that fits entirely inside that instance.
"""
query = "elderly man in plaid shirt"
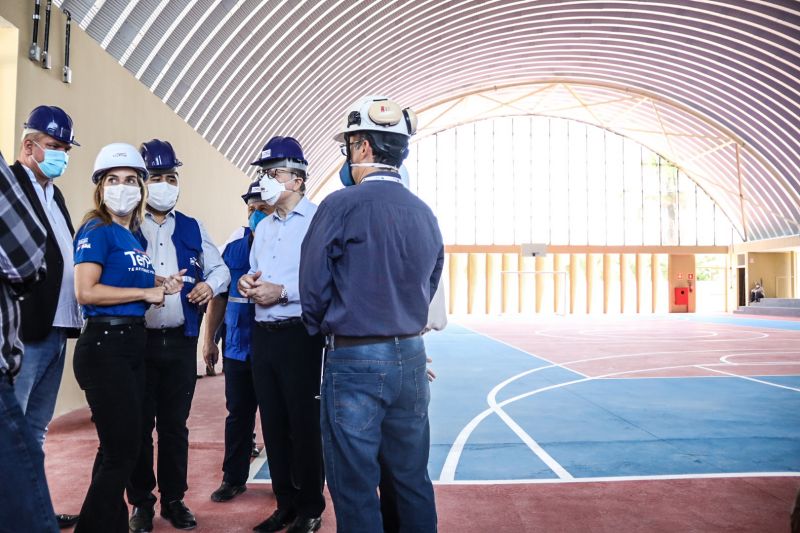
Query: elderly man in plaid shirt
(24, 498)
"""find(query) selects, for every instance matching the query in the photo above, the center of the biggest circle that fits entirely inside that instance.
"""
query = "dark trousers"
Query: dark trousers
(286, 373)
(109, 367)
(388, 494)
(171, 376)
(241, 403)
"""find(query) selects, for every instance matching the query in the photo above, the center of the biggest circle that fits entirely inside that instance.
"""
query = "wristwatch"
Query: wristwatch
(283, 299)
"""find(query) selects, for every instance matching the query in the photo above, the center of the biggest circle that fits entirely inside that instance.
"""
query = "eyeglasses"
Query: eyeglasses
(343, 146)
(273, 173)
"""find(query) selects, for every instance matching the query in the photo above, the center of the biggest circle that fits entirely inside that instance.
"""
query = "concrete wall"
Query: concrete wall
(108, 104)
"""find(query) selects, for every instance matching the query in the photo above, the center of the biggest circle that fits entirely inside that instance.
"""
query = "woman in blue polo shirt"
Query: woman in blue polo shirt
(115, 284)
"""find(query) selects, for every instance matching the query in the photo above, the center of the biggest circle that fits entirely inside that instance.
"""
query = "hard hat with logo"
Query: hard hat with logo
(378, 114)
(117, 155)
(253, 192)
(53, 121)
(159, 156)
(283, 152)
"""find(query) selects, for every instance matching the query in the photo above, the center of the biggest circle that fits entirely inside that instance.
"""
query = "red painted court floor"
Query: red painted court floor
(753, 504)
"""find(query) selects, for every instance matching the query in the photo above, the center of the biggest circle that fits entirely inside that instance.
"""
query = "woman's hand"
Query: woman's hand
(154, 295)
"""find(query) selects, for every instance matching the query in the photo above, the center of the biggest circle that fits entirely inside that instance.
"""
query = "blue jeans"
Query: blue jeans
(24, 499)
(37, 383)
(375, 411)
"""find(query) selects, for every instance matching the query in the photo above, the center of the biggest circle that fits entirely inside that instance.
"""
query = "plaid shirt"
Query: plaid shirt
(22, 240)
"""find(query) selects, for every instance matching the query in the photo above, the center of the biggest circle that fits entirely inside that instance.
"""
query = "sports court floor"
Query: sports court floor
(624, 423)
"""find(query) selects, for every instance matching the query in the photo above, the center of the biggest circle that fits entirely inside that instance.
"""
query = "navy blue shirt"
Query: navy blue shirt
(370, 262)
(124, 263)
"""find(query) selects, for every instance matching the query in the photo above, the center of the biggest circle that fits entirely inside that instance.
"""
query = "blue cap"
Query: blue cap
(159, 156)
(52, 121)
(253, 191)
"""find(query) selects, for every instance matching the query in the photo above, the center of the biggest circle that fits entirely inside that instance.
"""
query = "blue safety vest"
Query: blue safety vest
(239, 313)
(188, 244)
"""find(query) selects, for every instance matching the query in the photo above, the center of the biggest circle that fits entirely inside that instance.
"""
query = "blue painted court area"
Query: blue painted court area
(792, 325)
(561, 424)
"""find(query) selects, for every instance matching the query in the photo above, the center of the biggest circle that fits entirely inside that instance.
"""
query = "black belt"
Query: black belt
(166, 331)
(342, 341)
(280, 324)
(115, 320)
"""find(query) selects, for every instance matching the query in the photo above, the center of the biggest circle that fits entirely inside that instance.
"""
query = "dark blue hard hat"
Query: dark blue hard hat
(282, 151)
(253, 191)
(159, 156)
(52, 121)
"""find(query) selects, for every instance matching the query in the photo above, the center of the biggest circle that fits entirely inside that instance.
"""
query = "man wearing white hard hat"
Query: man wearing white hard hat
(369, 268)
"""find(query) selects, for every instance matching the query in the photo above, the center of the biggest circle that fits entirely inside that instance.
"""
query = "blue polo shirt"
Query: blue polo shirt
(371, 261)
(124, 263)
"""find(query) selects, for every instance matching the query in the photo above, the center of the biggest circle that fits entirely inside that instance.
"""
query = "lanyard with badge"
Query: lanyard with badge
(382, 177)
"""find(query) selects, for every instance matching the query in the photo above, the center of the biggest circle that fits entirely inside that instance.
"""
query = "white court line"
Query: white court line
(447, 473)
(539, 481)
(726, 359)
(256, 465)
(553, 364)
(534, 446)
(757, 335)
(748, 378)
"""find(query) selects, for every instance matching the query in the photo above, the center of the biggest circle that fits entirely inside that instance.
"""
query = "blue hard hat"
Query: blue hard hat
(253, 191)
(280, 149)
(159, 156)
(52, 121)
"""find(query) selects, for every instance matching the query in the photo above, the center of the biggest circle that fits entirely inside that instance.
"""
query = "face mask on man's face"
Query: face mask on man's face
(255, 217)
(271, 190)
(54, 163)
(162, 196)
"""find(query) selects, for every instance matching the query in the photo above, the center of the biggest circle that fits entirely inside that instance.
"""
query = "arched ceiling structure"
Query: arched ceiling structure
(713, 85)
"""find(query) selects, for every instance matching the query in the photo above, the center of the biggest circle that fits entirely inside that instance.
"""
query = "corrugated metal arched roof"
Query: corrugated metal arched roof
(718, 81)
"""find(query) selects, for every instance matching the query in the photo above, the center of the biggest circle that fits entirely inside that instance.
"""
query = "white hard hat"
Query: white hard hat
(117, 155)
(378, 113)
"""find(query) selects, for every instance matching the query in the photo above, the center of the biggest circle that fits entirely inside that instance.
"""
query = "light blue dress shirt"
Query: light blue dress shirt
(68, 312)
(276, 253)
(162, 251)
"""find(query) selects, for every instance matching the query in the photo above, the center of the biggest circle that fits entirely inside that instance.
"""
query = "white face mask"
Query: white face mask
(162, 196)
(271, 190)
(121, 199)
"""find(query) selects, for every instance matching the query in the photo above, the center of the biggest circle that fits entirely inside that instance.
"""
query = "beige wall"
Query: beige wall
(682, 265)
(766, 268)
(108, 104)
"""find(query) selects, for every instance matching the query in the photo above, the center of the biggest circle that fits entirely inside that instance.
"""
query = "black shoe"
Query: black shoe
(305, 525)
(226, 492)
(277, 521)
(66, 521)
(141, 520)
(256, 451)
(178, 515)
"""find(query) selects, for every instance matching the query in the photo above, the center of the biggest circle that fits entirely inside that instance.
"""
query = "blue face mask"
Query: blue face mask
(54, 163)
(345, 176)
(255, 218)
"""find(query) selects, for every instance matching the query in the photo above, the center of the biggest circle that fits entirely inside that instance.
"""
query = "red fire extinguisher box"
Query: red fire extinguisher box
(681, 296)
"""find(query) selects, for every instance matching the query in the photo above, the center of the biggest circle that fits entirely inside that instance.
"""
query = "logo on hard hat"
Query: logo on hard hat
(266, 153)
(119, 154)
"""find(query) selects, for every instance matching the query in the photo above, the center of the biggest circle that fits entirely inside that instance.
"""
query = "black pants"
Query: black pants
(241, 403)
(171, 376)
(286, 373)
(109, 367)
